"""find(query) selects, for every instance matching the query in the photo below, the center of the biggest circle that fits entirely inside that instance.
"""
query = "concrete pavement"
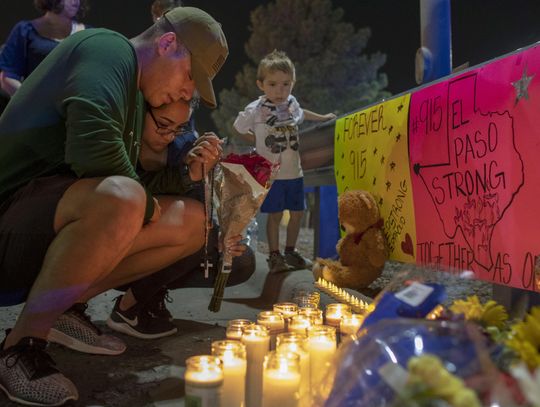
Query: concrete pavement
(150, 373)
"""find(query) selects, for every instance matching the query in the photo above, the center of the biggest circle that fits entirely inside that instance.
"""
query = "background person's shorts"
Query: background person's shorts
(26, 231)
(285, 194)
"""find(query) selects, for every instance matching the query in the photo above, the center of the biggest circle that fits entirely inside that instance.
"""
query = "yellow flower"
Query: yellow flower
(489, 314)
(494, 315)
(525, 338)
(429, 370)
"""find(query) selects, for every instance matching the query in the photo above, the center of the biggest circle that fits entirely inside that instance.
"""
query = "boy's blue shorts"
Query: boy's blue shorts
(285, 194)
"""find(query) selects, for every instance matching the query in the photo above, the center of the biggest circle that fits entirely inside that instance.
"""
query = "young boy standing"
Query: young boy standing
(272, 122)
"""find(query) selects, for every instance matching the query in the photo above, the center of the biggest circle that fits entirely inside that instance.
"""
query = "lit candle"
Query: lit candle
(235, 328)
(287, 309)
(233, 356)
(300, 324)
(334, 312)
(281, 381)
(274, 322)
(257, 341)
(296, 343)
(349, 325)
(203, 381)
(321, 347)
(315, 314)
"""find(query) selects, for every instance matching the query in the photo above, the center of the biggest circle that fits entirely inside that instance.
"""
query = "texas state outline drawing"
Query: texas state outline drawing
(473, 171)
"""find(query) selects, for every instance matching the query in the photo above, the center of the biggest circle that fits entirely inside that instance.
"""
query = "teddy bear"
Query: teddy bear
(362, 250)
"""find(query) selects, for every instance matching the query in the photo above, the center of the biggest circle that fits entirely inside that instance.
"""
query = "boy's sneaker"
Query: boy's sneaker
(297, 261)
(28, 375)
(74, 330)
(137, 321)
(277, 263)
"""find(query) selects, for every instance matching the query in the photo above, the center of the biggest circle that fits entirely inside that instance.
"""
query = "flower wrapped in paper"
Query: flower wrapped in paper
(241, 183)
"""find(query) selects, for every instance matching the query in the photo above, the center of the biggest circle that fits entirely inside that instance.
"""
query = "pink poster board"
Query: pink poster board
(474, 158)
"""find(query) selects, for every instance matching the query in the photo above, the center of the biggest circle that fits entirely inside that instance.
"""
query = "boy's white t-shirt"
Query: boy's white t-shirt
(276, 132)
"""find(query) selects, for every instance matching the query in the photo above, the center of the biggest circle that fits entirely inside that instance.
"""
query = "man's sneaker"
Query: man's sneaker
(277, 263)
(74, 330)
(137, 321)
(28, 375)
(297, 261)
(156, 305)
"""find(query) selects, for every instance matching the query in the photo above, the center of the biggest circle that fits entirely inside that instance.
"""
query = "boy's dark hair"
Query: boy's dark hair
(275, 61)
(56, 6)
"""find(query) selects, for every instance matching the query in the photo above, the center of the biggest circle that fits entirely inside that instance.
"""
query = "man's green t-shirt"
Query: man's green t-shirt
(79, 112)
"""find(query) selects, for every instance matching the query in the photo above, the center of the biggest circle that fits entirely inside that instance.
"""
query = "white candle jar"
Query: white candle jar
(297, 343)
(349, 326)
(281, 380)
(322, 347)
(235, 328)
(203, 381)
(232, 354)
(334, 312)
(257, 341)
(274, 322)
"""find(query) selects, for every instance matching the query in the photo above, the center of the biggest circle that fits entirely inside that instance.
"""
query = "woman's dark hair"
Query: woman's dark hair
(56, 6)
(159, 7)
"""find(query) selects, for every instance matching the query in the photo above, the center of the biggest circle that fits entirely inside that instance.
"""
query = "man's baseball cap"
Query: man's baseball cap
(204, 38)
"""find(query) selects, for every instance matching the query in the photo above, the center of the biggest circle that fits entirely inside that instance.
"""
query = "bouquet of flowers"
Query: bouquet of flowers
(241, 182)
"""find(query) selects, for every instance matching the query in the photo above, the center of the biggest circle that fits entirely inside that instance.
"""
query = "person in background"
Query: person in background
(75, 217)
(160, 7)
(31, 41)
(271, 122)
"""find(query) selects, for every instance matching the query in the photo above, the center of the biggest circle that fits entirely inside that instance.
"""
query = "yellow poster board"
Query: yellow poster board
(371, 153)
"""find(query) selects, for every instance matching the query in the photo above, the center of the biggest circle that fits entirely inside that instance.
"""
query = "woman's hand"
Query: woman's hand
(206, 150)
(234, 246)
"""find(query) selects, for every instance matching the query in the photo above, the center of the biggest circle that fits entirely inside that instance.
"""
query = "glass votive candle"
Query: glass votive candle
(305, 301)
(281, 380)
(321, 347)
(315, 314)
(203, 381)
(287, 309)
(349, 325)
(233, 357)
(297, 343)
(334, 312)
(274, 322)
(300, 324)
(315, 297)
(235, 328)
(256, 338)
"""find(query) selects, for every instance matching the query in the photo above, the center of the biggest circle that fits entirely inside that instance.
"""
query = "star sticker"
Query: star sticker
(522, 86)
(392, 166)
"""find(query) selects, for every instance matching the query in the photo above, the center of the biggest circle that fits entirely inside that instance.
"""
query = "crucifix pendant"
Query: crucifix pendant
(207, 266)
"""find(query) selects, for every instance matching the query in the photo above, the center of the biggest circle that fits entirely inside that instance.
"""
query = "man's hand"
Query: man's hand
(206, 150)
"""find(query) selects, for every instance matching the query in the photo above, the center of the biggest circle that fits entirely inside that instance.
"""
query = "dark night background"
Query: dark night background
(481, 29)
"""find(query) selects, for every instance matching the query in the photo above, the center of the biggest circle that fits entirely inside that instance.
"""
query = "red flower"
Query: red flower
(259, 167)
